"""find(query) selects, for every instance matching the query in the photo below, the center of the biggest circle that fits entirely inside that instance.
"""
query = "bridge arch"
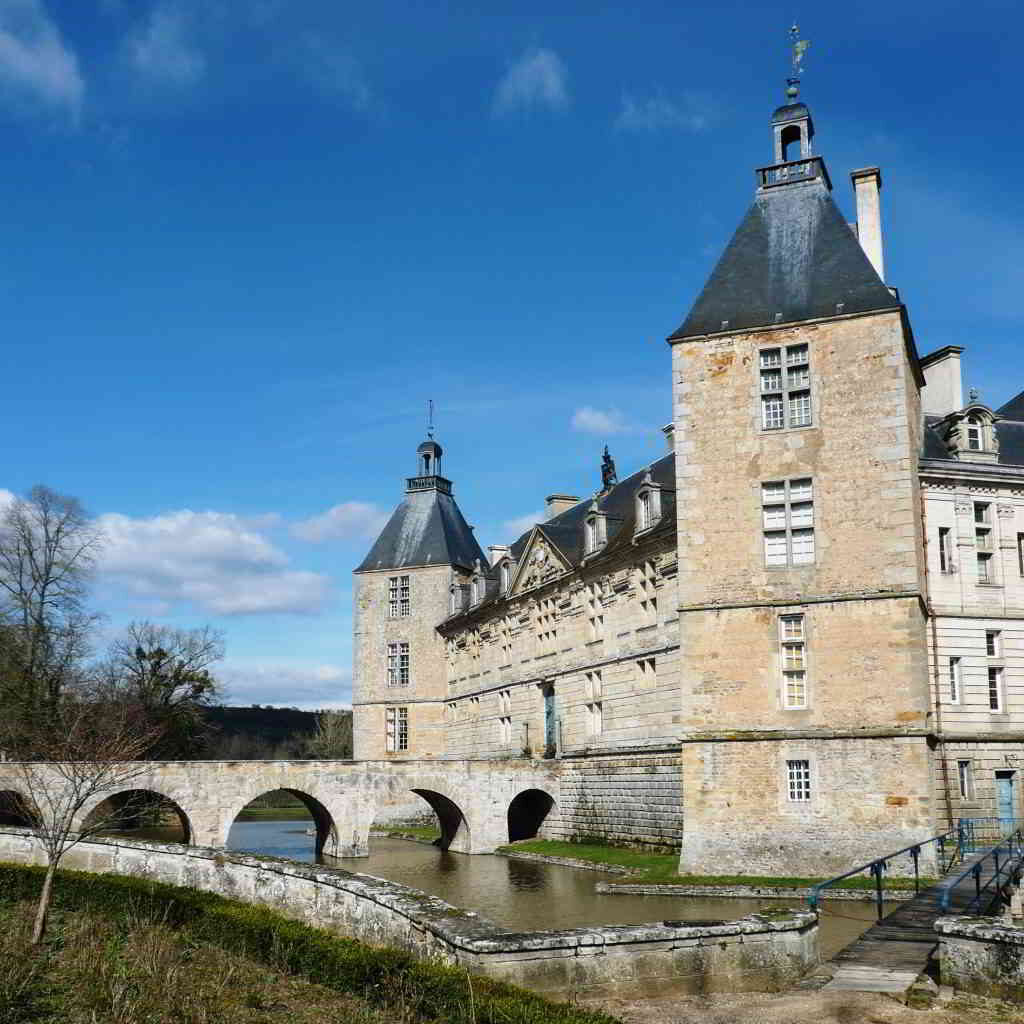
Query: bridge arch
(326, 840)
(526, 813)
(16, 809)
(451, 818)
(136, 808)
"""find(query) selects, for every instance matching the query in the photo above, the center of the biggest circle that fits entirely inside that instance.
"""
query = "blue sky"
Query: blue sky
(246, 241)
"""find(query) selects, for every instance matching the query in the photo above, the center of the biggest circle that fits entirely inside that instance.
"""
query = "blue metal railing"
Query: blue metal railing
(877, 866)
(978, 833)
(1006, 858)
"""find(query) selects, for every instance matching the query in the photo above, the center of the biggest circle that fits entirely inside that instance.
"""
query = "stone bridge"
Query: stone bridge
(480, 805)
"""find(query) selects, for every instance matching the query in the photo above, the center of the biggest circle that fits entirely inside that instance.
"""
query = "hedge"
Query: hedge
(387, 977)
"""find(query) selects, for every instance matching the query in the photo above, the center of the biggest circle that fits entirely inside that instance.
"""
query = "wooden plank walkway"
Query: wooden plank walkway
(891, 954)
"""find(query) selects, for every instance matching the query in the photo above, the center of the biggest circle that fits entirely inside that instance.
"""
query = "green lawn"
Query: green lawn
(661, 868)
(430, 832)
(298, 813)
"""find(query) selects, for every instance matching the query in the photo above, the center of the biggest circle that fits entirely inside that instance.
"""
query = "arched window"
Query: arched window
(506, 577)
(590, 529)
(975, 434)
(792, 143)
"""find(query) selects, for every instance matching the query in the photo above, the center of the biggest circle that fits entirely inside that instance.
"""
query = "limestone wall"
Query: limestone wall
(984, 956)
(757, 953)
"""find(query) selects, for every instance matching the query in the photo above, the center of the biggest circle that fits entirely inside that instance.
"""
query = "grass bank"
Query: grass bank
(425, 832)
(176, 925)
(662, 868)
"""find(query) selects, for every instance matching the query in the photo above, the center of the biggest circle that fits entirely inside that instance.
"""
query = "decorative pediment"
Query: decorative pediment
(540, 562)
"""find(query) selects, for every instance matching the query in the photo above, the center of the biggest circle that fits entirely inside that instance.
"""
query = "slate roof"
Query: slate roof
(1014, 409)
(427, 528)
(792, 254)
(565, 531)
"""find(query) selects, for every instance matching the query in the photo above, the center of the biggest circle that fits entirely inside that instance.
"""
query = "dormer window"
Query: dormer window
(591, 533)
(459, 592)
(975, 434)
(648, 504)
(506, 576)
(970, 434)
(595, 533)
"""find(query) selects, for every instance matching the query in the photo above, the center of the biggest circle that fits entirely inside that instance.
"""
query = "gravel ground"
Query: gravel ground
(807, 1008)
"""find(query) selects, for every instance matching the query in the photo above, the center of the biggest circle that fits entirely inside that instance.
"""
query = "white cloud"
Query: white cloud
(161, 50)
(690, 113)
(517, 527)
(603, 422)
(538, 79)
(335, 71)
(34, 62)
(357, 519)
(216, 561)
(309, 686)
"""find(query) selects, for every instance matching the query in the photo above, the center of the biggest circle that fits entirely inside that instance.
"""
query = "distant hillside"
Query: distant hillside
(259, 733)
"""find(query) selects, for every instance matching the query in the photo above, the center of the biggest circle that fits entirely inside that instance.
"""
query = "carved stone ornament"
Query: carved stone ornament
(963, 507)
(1006, 511)
(541, 567)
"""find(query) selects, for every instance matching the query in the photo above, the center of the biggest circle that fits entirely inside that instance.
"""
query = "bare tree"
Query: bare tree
(332, 740)
(167, 673)
(47, 554)
(83, 749)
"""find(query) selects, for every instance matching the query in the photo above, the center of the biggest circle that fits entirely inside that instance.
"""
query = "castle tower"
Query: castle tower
(401, 592)
(806, 715)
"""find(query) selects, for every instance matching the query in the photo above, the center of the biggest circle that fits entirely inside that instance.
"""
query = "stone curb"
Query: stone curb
(772, 892)
(567, 862)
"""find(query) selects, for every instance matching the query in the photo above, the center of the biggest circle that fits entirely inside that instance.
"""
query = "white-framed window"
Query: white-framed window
(396, 727)
(996, 697)
(594, 600)
(793, 658)
(393, 597)
(993, 643)
(398, 664)
(645, 519)
(945, 549)
(594, 533)
(404, 604)
(955, 681)
(785, 387)
(798, 780)
(975, 434)
(787, 515)
(647, 590)
(965, 778)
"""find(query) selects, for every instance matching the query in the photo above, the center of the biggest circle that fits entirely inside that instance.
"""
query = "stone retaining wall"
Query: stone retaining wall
(632, 797)
(982, 955)
(763, 952)
(766, 892)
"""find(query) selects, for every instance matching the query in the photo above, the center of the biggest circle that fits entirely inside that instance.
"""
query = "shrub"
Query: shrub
(388, 977)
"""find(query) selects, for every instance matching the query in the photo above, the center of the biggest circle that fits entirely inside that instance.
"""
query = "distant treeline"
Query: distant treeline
(275, 734)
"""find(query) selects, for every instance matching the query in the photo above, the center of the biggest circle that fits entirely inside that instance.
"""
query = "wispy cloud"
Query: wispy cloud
(306, 685)
(214, 561)
(350, 519)
(650, 114)
(35, 64)
(537, 80)
(602, 422)
(513, 528)
(161, 50)
(335, 71)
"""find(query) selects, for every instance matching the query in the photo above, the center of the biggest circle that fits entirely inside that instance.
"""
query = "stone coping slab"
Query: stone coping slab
(982, 929)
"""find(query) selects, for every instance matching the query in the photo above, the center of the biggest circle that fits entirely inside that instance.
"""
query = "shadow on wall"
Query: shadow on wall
(527, 812)
(145, 812)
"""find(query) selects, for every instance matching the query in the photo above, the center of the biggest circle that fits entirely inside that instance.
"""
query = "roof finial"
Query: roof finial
(973, 395)
(799, 47)
(430, 418)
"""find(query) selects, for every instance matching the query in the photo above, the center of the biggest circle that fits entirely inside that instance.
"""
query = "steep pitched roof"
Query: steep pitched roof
(1014, 409)
(427, 528)
(1009, 431)
(792, 254)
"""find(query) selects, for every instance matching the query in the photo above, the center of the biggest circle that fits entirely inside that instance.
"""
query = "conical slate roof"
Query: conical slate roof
(426, 529)
(793, 254)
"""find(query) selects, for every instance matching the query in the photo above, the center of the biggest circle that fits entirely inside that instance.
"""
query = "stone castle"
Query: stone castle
(793, 642)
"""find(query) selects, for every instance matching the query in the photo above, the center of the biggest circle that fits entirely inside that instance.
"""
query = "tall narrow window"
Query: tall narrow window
(594, 693)
(995, 689)
(966, 780)
(646, 673)
(396, 724)
(647, 590)
(404, 606)
(393, 597)
(595, 611)
(945, 549)
(982, 512)
(646, 519)
(975, 437)
(793, 650)
(398, 664)
(798, 777)
(985, 567)
(1020, 553)
(787, 510)
(785, 387)
(955, 688)
(993, 643)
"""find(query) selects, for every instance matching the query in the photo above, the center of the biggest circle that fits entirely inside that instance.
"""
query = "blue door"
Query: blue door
(1005, 802)
(549, 718)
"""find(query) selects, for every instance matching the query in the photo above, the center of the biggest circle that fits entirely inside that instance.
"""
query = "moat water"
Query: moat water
(528, 895)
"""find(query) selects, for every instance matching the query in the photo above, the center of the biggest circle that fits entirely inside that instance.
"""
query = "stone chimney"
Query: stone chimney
(943, 390)
(669, 430)
(867, 187)
(556, 504)
(496, 552)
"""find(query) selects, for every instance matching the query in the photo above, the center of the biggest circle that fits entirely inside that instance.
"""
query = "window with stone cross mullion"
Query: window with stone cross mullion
(787, 513)
(785, 387)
